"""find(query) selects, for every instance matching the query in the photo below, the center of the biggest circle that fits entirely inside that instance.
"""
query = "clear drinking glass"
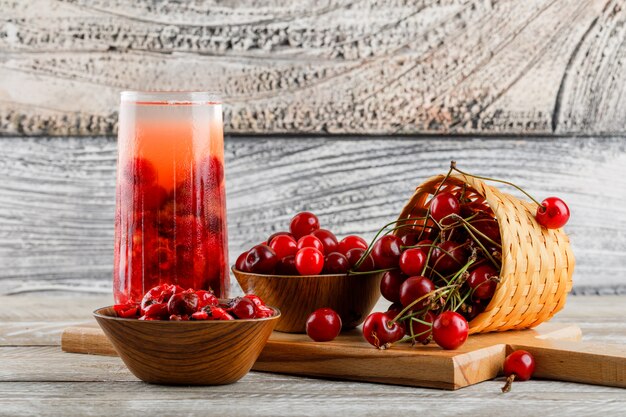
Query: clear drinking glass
(170, 221)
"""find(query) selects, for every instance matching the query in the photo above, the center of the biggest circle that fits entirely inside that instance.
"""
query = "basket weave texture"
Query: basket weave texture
(537, 263)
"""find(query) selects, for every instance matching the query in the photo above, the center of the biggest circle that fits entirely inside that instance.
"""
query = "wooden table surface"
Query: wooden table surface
(37, 378)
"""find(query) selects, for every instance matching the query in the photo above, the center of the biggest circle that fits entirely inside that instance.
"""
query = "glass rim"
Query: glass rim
(170, 97)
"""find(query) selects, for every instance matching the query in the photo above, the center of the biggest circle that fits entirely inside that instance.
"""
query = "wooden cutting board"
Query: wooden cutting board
(556, 347)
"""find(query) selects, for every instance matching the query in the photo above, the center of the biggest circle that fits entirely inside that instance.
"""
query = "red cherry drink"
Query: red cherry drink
(170, 220)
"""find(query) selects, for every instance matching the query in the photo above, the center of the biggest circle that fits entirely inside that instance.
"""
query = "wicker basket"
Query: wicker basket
(537, 263)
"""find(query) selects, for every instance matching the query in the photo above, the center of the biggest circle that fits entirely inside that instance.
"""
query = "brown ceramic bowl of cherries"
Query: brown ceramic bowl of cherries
(308, 268)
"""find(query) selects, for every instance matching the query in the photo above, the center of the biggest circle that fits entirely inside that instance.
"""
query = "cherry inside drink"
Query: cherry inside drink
(170, 222)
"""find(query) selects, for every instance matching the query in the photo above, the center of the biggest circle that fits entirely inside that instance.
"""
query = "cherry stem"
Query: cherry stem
(468, 224)
(369, 248)
(453, 167)
(436, 192)
(351, 272)
(417, 300)
(509, 382)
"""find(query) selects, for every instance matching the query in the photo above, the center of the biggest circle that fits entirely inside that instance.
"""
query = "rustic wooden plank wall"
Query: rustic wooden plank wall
(57, 196)
(338, 66)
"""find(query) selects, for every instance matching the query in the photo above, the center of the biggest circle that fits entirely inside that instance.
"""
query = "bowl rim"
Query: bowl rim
(334, 276)
(96, 313)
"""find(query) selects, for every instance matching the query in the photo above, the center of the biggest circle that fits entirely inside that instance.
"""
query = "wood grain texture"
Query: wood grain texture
(351, 296)
(349, 357)
(340, 66)
(45, 381)
(57, 196)
(211, 352)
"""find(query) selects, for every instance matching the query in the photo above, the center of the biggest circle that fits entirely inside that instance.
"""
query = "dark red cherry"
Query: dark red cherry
(261, 259)
(353, 257)
(450, 330)
(328, 239)
(240, 263)
(443, 205)
(481, 281)
(287, 266)
(449, 257)
(336, 263)
(243, 308)
(390, 285)
(183, 303)
(553, 213)
(386, 252)
(518, 366)
(380, 332)
(414, 288)
(323, 325)
(303, 224)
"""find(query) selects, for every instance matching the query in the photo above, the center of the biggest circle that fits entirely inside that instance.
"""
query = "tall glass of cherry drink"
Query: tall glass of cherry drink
(170, 220)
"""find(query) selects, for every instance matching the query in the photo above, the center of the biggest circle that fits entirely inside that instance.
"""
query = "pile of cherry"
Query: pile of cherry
(442, 269)
(173, 303)
(305, 250)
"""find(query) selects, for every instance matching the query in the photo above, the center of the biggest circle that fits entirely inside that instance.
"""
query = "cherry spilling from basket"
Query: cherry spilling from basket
(306, 250)
(170, 302)
(442, 264)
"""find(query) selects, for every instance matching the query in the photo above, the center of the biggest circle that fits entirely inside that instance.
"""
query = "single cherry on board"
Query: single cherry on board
(380, 332)
(309, 261)
(450, 330)
(323, 325)
(303, 223)
(553, 213)
(520, 366)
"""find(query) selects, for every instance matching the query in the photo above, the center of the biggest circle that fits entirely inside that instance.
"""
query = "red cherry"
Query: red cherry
(206, 298)
(386, 252)
(450, 330)
(424, 331)
(394, 309)
(351, 242)
(309, 261)
(158, 311)
(283, 245)
(328, 239)
(390, 285)
(414, 288)
(449, 257)
(261, 259)
(520, 366)
(269, 239)
(380, 332)
(323, 325)
(310, 241)
(184, 303)
(444, 204)
(243, 308)
(479, 280)
(140, 171)
(412, 261)
(353, 257)
(240, 263)
(287, 266)
(336, 263)
(553, 213)
(303, 224)
(410, 239)
(489, 227)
